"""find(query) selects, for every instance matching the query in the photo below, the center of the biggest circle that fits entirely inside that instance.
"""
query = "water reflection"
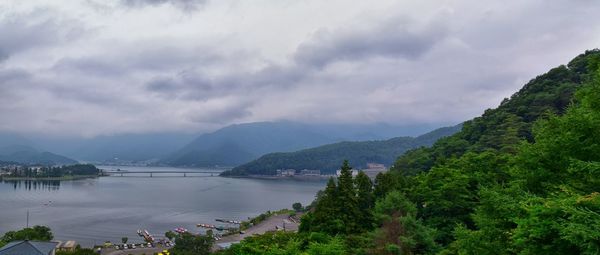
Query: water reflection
(108, 208)
(49, 185)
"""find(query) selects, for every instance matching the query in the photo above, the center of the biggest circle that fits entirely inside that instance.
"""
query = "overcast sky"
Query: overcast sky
(99, 67)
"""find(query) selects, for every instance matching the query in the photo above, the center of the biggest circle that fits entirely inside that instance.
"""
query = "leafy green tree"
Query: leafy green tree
(401, 232)
(35, 233)
(124, 239)
(170, 235)
(335, 246)
(188, 244)
(78, 251)
(297, 207)
(551, 204)
(445, 197)
(280, 243)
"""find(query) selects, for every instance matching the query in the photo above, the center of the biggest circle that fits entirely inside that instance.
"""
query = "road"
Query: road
(138, 251)
(269, 224)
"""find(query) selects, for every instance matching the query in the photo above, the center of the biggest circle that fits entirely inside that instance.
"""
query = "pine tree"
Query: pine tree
(347, 200)
(366, 200)
(325, 217)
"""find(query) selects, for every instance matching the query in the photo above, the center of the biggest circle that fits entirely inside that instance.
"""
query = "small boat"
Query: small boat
(229, 221)
(201, 225)
(180, 230)
(146, 235)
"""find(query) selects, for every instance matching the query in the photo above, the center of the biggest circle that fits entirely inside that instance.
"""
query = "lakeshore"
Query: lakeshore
(61, 178)
(93, 210)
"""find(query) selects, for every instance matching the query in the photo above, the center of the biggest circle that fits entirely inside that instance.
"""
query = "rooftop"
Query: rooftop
(28, 248)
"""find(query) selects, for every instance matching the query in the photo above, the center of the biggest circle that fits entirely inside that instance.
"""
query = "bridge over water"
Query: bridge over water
(183, 173)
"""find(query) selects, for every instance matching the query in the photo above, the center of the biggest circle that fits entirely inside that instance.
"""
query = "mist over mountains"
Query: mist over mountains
(238, 144)
(229, 146)
(18, 149)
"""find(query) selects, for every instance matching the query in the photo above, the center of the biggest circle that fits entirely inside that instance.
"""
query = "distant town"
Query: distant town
(372, 169)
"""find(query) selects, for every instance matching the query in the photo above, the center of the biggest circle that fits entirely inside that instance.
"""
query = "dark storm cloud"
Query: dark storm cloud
(397, 39)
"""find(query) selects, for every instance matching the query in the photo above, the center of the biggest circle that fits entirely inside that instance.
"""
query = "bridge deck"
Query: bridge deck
(161, 172)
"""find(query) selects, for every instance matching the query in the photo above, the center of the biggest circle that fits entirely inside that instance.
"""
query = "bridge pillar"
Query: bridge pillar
(150, 174)
(184, 175)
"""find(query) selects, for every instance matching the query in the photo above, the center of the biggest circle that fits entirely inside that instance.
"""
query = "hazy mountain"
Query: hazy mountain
(117, 148)
(237, 144)
(18, 149)
(328, 158)
(27, 155)
(10, 139)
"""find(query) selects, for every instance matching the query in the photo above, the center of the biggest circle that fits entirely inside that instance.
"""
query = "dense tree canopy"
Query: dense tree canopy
(328, 157)
(522, 179)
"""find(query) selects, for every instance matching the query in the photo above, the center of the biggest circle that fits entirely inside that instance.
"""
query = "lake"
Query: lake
(92, 211)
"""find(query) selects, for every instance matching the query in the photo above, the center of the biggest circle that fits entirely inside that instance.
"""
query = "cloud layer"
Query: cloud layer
(94, 67)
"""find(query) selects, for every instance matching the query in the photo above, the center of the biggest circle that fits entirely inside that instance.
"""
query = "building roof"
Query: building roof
(28, 248)
(68, 244)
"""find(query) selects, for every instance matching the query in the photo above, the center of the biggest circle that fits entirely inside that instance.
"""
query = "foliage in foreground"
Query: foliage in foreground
(188, 244)
(35, 233)
(522, 179)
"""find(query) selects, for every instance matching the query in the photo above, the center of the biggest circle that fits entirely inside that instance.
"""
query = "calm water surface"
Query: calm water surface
(96, 210)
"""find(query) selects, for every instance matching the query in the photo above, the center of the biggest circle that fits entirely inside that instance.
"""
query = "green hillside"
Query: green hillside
(328, 157)
(504, 128)
(521, 179)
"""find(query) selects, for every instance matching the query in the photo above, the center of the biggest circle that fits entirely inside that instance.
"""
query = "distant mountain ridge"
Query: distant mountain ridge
(27, 155)
(121, 148)
(237, 144)
(327, 158)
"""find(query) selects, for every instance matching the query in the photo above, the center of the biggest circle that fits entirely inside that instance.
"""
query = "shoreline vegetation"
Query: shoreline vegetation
(277, 177)
(62, 178)
(49, 173)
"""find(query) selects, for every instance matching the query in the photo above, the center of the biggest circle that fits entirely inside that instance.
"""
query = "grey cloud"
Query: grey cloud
(89, 66)
(190, 85)
(3, 55)
(149, 56)
(397, 39)
(12, 75)
(187, 75)
(34, 30)
(187, 5)
(222, 114)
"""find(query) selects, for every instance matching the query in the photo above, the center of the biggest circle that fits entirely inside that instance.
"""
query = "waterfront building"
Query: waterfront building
(307, 172)
(286, 172)
(373, 169)
(67, 246)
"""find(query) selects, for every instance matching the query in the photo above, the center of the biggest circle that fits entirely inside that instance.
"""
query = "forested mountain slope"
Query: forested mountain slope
(327, 158)
(521, 179)
(237, 144)
(503, 128)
